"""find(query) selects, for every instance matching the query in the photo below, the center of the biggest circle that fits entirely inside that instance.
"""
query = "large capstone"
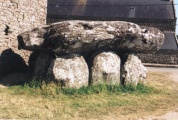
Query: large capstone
(106, 69)
(90, 36)
(70, 70)
(133, 71)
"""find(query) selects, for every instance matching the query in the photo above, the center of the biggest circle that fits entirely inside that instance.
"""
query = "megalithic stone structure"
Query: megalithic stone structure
(86, 36)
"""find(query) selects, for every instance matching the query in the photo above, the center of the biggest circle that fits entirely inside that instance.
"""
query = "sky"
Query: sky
(176, 2)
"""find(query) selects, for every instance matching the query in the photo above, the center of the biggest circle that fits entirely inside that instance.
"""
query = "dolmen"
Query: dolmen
(81, 53)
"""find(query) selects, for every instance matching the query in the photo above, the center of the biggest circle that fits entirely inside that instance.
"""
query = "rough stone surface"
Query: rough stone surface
(160, 57)
(133, 71)
(71, 71)
(18, 16)
(42, 64)
(85, 36)
(106, 69)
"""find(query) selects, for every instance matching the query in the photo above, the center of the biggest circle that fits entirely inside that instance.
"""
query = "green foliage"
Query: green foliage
(110, 89)
(34, 83)
(53, 90)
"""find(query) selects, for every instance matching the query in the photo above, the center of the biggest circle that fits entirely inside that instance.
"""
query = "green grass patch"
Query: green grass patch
(42, 100)
(51, 89)
(110, 89)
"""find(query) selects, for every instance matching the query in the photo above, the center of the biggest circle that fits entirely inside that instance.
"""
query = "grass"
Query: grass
(47, 101)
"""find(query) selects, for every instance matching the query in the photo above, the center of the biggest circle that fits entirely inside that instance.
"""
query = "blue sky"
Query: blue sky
(176, 2)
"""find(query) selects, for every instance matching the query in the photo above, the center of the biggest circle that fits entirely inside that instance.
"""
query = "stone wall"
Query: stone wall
(17, 16)
(160, 57)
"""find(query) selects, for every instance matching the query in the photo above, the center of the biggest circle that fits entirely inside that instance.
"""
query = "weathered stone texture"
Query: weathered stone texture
(86, 36)
(133, 71)
(71, 71)
(18, 16)
(106, 69)
(160, 57)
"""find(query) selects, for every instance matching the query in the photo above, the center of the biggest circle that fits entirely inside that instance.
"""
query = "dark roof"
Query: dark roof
(170, 42)
(142, 9)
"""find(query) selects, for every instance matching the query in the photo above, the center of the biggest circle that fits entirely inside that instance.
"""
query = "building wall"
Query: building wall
(17, 16)
(160, 57)
(163, 25)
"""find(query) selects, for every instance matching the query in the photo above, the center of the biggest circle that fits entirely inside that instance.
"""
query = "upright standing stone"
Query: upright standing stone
(133, 71)
(106, 69)
(71, 71)
(42, 64)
